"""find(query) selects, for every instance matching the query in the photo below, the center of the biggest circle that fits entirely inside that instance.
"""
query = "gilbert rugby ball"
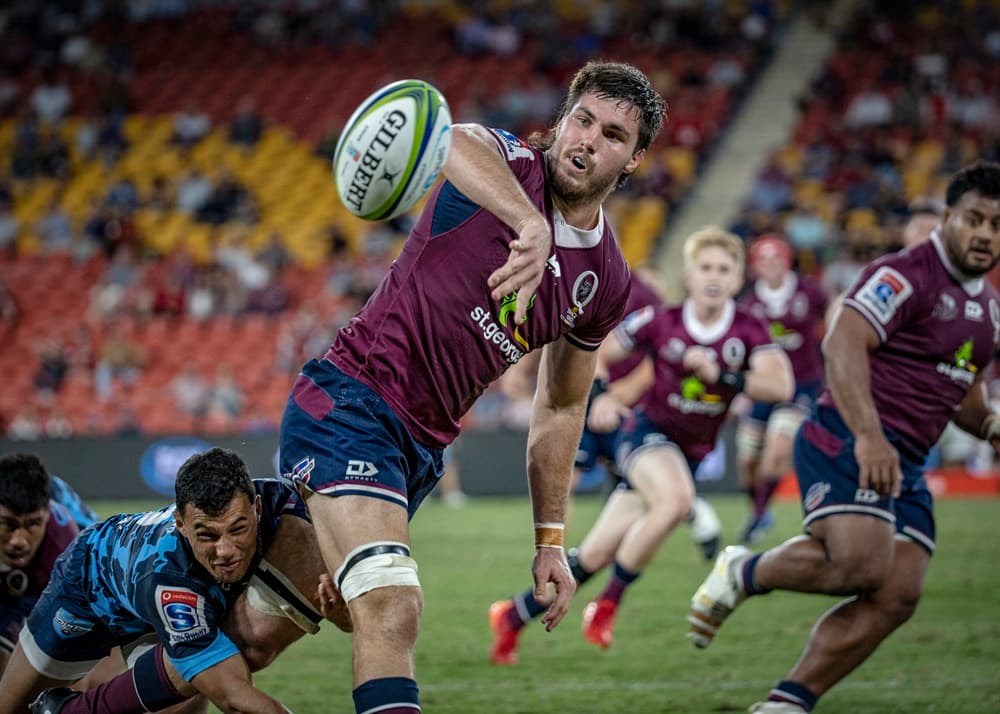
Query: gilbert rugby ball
(392, 149)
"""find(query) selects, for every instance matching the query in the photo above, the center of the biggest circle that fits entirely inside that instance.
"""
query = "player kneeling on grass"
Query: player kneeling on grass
(160, 585)
(39, 516)
(706, 351)
(906, 353)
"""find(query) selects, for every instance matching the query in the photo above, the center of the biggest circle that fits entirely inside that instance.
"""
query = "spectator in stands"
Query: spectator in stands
(51, 99)
(772, 189)
(10, 227)
(24, 152)
(26, 425)
(53, 154)
(193, 191)
(925, 214)
(123, 194)
(869, 107)
(119, 362)
(169, 296)
(190, 126)
(273, 255)
(79, 350)
(162, 196)
(52, 366)
(9, 311)
(247, 125)
(227, 399)
(191, 393)
(57, 424)
(55, 229)
(229, 200)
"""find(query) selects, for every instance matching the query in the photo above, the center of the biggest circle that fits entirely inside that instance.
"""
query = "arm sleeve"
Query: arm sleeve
(884, 295)
(186, 617)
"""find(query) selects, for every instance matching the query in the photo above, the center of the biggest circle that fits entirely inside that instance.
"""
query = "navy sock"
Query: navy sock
(794, 693)
(526, 608)
(747, 576)
(621, 578)
(389, 695)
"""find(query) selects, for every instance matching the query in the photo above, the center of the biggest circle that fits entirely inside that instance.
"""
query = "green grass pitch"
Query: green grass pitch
(944, 660)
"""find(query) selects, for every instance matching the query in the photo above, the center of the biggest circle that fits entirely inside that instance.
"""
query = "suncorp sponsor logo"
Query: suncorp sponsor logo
(494, 333)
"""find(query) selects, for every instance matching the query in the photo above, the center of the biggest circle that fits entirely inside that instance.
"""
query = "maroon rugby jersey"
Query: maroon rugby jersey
(792, 312)
(938, 330)
(687, 411)
(431, 339)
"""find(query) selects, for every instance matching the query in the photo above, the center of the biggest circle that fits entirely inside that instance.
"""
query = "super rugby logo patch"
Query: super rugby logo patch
(884, 292)
(302, 470)
(182, 612)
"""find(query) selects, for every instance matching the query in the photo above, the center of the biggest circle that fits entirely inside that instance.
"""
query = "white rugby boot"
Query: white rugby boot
(718, 596)
(706, 528)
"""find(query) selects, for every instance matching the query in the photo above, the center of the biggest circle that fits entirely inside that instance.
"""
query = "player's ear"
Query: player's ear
(179, 520)
(634, 162)
(258, 506)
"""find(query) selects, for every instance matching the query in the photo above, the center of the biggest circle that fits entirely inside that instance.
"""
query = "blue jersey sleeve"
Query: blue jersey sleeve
(63, 494)
(186, 615)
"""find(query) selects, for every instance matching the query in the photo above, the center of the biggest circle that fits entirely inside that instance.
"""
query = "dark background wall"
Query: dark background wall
(491, 463)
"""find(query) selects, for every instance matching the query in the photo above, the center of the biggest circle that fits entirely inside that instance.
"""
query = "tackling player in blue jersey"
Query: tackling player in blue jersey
(906, 353)
(159, 585)
(39, 516)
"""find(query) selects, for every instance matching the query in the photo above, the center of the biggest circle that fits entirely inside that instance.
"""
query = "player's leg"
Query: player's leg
(509, 617)
(363, 475)
(852, 630)
(749, 446)
(660, 475)
(21, 683)
(775, 462)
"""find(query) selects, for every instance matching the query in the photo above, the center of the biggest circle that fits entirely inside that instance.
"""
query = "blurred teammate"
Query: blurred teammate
(707, 351)
(158, 585)
(906, 353)
(39, 516)
(793, 307)
(511, 253)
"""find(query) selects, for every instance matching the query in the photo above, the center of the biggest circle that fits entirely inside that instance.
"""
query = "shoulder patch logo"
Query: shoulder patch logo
(884, 292)
(182, 612)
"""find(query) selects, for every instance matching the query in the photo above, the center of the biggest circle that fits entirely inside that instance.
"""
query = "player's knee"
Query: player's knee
(392, 611)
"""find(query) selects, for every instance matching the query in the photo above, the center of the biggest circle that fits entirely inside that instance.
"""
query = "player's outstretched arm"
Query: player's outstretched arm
(229, 687)
(611, 403)
(565, 375)
(848, 374)
(477, 169)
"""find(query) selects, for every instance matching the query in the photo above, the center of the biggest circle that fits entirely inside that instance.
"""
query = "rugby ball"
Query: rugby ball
(392, 149)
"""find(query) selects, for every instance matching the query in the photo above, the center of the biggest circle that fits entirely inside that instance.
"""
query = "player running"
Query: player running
(905, 353)
(793, 307)
(706, 351)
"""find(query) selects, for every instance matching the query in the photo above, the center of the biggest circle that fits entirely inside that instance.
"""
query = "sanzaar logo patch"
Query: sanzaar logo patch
(182, 612)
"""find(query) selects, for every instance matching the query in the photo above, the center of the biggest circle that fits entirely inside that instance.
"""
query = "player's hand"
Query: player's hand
(606, 413)
(525, 265)
(701, 361)
(878, 464)
(550, 566)
(332, 605)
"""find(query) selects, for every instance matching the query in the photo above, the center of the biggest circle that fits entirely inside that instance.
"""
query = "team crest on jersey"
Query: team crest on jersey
(815, 495)
(945, 309)
(734, 352)
(182, 612)
(67, 625)
(513, 147)
(584, 289)
(884, 292)
(302, 470)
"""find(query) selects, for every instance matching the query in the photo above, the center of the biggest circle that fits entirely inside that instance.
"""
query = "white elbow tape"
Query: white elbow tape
(271, 593)
(786, 420)
(376, 565)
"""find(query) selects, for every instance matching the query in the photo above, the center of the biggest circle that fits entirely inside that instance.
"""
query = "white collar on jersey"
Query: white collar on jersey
(973, 286)
(707, 334)
(567, 236)
(780, 294)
